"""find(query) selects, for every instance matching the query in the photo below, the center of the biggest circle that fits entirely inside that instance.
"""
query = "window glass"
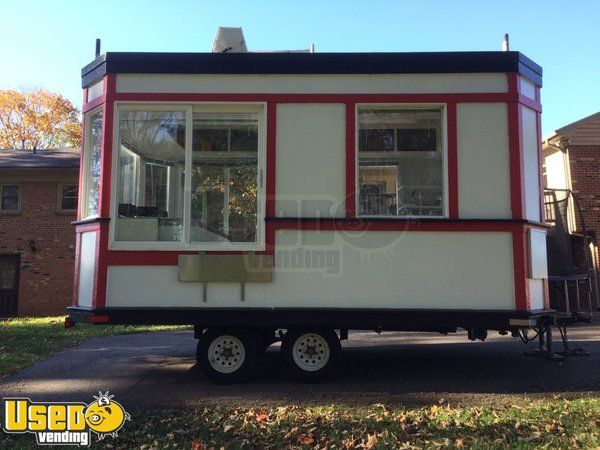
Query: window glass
(400, 161)
(151, 166)
(92, 162)
(10, 197)
(8, 272)
(68, 197)
(224, 177)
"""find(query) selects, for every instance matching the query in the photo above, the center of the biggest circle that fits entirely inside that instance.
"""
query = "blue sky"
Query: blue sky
(45, 43)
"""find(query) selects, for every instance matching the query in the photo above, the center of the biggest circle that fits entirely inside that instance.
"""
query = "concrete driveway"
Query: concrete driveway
(158, 369)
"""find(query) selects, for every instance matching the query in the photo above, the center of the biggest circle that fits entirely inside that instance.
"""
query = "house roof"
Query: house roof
(62, 158)
(584, 131)
(568, 129)
(311, 63)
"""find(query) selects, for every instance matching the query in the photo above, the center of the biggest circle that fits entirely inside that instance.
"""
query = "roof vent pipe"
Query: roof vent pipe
(505, 43)
(229, 40)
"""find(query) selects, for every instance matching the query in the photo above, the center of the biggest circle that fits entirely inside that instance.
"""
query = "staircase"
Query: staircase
(572, 272)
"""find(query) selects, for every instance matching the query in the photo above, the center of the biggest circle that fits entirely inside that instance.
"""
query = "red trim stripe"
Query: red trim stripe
(76, 269)
(540, 158)
(520, 270)
(350, 201)
(452, 161)
(515, 140)
(95, 318)
(533, 104)
(87, 107)
(483, 97)
(271, 169)
(170, 258)
(100, 268)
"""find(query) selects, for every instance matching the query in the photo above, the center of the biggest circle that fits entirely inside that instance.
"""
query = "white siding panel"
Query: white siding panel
(483, 161)
(556, 171)
(87, 262)
(538, 260)
(453, 270)
(158, 286)
(531, 164)
(527, 88)
(311, 172)
(95, 91)
(536, 294)
(314, 84)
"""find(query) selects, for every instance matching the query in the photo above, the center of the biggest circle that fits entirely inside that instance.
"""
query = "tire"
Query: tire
(226, 356)
(311, 354)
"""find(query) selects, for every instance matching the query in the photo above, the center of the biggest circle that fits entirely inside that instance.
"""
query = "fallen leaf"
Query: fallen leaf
(197, 445)
(306, 439)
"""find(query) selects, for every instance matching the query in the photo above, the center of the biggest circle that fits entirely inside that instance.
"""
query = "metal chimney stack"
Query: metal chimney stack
(229, 40)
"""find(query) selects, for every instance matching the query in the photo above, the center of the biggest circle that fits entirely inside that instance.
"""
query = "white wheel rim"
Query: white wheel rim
(311, 352)
(226, 354)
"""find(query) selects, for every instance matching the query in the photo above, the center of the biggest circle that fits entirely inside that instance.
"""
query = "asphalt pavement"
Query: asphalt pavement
(158, 370)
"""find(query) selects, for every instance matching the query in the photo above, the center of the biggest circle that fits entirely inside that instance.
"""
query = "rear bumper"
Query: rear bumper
(339, 318)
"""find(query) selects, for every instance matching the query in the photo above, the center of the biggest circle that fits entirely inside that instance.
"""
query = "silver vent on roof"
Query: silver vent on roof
(229, 40)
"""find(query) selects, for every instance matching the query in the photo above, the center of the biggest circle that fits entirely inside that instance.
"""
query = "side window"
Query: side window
(91, 161)
(10, 197)
(224, 177)
(68, 197)
(400, 161)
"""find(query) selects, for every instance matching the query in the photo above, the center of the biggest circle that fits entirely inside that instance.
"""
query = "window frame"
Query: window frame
(444, 143)
(189, 108)
(61, 185)
(19, 197)
(83, 191)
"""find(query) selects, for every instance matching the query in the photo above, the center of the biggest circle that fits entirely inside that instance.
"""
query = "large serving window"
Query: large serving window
(188, 177)
(400, 161)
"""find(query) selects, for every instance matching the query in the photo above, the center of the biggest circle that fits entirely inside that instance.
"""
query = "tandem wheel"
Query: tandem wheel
(311, 354)
(226, 355)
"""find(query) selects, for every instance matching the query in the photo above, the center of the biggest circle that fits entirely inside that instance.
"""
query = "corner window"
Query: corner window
(400, 161)
(151, 171)
(91, 161)
(68, 197)
(9, 200)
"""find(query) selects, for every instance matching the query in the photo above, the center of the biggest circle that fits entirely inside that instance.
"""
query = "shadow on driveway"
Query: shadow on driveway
(158, 369)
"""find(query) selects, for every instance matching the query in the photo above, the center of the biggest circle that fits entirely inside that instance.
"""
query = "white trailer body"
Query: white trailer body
(345, 190)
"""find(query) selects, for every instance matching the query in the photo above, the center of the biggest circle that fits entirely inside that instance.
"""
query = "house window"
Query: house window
(151, 170)
(400, 161)
(91, 173)
(9, 197)
(68, 197)
(188, 177)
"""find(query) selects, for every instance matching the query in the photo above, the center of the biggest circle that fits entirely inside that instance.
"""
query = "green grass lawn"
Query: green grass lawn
(554, 423)
(27, 340)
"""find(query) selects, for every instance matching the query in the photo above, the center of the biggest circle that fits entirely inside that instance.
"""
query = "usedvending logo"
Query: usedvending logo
(65, 423)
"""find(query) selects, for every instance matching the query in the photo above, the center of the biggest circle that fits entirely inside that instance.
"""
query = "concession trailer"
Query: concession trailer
(299, 195)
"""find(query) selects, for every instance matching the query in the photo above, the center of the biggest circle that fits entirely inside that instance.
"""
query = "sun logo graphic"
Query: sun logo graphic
(65, 423)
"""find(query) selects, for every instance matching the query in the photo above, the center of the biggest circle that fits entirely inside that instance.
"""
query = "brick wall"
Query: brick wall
(46, 275)
(585, 180)
(584, 161)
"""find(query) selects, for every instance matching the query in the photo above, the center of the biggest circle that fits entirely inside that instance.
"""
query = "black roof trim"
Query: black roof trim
(311, 63)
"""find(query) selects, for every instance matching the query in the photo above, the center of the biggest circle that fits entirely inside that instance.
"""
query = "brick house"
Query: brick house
(572, 162)
(38, 200)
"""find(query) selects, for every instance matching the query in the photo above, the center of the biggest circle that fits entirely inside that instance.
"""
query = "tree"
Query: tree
(37, 119)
